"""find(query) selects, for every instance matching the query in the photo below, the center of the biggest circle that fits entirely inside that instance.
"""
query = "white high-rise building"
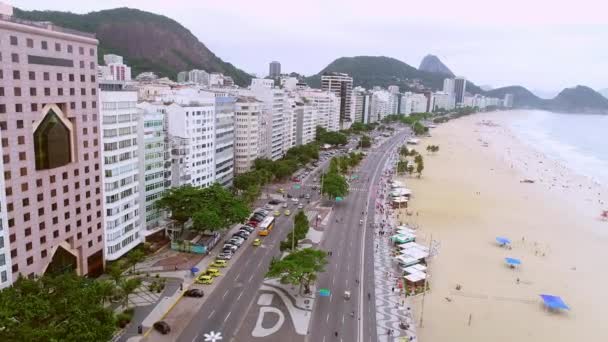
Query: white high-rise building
(440, 100)
(327, 107)
(380, 105)
(508, 101)
(289, 122)
(413, 103)
(216, 79)
(191, 132)
(114, 69)
(305, 130)
(224, 138)
(341, 85)
(248, 117)
(182, 77)
(154, 161)
(448, 88)
(274, 102)
(200, 77)
(357, 104)
(122, 129)
(460, 89)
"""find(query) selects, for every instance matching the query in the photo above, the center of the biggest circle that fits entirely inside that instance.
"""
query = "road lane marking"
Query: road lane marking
(342, 318)
(239, 297)
(211, 314)
(228, 315)
(324, 338)
(251, 277)
(331, 296)
(225, 293)
(327, 318)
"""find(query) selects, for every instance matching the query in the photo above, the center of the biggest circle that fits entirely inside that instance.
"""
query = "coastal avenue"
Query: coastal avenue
(344, 239)
(226, 309)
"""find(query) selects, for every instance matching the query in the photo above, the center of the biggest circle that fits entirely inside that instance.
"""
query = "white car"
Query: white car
(294, 200)
(285, 205)
(300, 206)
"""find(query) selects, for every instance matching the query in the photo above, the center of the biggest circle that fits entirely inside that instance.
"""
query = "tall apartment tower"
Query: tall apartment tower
(460, 87)
(274, 69)
(49, 121)
(121, 138)
(6, 277)
(342, 86)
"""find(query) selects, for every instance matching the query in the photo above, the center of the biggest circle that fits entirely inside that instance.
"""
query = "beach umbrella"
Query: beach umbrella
(503, 240)
(554, 302)
(513, 262)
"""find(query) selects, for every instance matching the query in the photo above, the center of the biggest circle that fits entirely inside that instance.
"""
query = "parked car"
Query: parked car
(204, 279)
(224, 256)
(274, 202)
(219, 263)
(253, 223)
(197, 293)
(162, 327)
(307, 196)
(236, 241)
(295, 200)
(300, 206)
(248, 228)
(285, 205)
(242, 234)
(229, 248)
(214, 272)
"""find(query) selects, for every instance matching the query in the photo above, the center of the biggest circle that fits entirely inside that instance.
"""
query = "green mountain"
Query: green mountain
(147, 41)
(369, 71)
(579, 99)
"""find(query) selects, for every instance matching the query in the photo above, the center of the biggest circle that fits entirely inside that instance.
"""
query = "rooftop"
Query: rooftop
(45, 25)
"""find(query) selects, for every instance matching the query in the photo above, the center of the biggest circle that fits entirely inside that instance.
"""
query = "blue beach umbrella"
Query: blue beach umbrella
(513, 262)
(502, 240)
(554, 302)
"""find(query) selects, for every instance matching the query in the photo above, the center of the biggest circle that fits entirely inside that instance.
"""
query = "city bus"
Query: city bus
(266, 226)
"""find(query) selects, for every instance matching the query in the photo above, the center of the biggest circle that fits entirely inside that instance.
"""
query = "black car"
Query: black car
(194, 293)
(162, 327)
(241, 235)
(274, 202)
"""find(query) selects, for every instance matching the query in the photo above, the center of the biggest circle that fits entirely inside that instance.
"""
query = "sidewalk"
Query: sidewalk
(171, 306)
(391, 308)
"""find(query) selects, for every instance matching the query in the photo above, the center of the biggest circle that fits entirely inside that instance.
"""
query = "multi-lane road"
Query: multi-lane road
(351, 246)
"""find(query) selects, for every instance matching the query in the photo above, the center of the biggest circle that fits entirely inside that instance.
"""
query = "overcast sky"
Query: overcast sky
(542, 44)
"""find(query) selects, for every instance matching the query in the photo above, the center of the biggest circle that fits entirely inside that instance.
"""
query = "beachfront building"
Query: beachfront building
(248, 123)
(357, 104)
(121, 139)
(440, 100)
(274, 104)
(223, 138)
(326, 106)
(114, 69)
(191, 133)
(154, 166)
(49, 120)
(460, 88)
(413, 103)
(341, 85)
(289, 122)
(379, 107)
(508, 101)
(304, 116)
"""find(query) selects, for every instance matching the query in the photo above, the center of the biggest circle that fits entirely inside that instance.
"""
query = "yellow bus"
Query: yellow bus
(266, 226)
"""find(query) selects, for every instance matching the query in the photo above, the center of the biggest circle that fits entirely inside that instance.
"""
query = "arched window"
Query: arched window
(52, 142)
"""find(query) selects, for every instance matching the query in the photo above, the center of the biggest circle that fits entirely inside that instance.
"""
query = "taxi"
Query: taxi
(281, 190)
(277, 213)
(204, 279)
(214, 272)
(287, 212)
(219, 263)
(257, 242)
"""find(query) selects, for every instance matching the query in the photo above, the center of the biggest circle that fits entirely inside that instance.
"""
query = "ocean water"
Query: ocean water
(578, 141)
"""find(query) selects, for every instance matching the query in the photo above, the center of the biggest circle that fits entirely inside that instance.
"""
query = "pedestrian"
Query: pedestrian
(393, 289)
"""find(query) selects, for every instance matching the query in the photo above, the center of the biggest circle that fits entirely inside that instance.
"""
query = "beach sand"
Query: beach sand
(468, 195)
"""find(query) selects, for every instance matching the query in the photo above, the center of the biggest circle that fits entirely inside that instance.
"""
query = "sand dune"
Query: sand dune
(471, 192)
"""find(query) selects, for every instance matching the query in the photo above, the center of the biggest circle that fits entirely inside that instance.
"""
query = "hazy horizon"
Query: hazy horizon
(544, 46)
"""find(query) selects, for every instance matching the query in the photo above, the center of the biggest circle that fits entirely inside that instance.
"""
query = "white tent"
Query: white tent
(406, 260)
(415, 269)
(415, 277)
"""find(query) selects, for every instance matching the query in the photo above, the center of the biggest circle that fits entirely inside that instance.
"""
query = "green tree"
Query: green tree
(115, 271)
(299, 268)
(134, 256)
(334, 185)
(410, 169)
(182, 202)
(65, 307)
(419, 168)
(401, 166)
(365, 142)
(106, 289)
(127, 288)
(404, 151)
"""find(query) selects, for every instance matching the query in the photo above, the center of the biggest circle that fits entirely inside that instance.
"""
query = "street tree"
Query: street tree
(115, 271)
(135, 256)
(127, 288)
(402, 166)
(419, 167)
(365, 142)
(182, 202)
(334, 185)
(410, 169)
(63, 307)
(299, 268)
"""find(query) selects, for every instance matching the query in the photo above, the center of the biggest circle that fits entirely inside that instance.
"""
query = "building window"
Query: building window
(70, 49)
(32, 91)
(29, 42)
(14, 40)
(46, 76)
(30, 260)
(44, 45)
(34, 107)
(57, 47)
(43, 254)
(16, 75)
(15, 57)
(17, 91)
(59, 76)
(32, 75)
(52, 143)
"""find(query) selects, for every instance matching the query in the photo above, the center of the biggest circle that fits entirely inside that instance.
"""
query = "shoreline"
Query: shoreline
(472, 191)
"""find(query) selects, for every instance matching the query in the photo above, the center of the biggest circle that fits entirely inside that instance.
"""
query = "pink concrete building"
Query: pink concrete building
(50, 148)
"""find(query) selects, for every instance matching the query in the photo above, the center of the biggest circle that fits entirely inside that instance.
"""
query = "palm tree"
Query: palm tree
(135, 256)
(128, 287)
(106, 290)
(115, 271)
